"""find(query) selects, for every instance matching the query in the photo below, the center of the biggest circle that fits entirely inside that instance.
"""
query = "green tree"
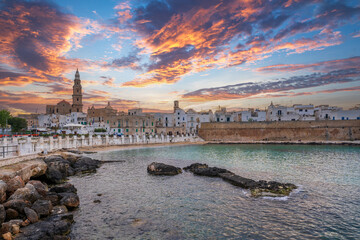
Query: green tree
(17, 124)
(4, 117)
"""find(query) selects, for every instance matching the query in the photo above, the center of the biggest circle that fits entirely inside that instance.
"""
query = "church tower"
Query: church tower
(77, 93)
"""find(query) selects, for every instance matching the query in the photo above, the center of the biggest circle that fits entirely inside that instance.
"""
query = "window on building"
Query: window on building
(279, 112)
(228, 119)
(136, 130)
(178, 113)
(127, 130)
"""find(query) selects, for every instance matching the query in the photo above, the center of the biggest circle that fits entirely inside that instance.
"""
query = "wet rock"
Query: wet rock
(42, 207)
(210, 171)
(2, 214)
(162, 169)
(257, 188)
(39, 186)
(70, 200)
(11, 214)
(17, 205)
(52, 197)
(3, 188)
(60, 209)
(58, 169)
(14, 184)
(194, 166)
(86, 164)
(66, 187)
(238, 181)
(31, 215)
(53, 227)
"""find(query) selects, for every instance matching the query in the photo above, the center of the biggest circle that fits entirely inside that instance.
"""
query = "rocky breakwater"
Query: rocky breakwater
(35, 203)
(257, 188)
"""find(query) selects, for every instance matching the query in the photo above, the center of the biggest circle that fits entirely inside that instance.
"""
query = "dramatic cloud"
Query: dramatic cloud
(250, 89)
(35, 36)
(352, 62)
(186, 36)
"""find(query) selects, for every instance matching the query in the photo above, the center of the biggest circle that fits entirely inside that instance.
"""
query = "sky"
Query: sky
(205, 53)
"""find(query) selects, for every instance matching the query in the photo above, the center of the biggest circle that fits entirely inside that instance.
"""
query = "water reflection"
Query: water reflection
(135, 205)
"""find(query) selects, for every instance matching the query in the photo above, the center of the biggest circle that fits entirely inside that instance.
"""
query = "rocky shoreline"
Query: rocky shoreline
(35, 200)
(257, 188)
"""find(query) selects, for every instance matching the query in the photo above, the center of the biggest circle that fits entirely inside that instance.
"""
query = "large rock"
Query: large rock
(14, 184)
(40, 187)
(27, 193)
(70, 200)
(66, 187)
(71, 157)
(195, 166)
(54, 227)
(17, 205)
(210, 171)
(238, 180)
(58, 169)
(162, 169)
(11, 214)
(2, 214)
(31, 215)
(52, 197)
(257, 188)
(42, 207)
(3, 188)
(85, 164)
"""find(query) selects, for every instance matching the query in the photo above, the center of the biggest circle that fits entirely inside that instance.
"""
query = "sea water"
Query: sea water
(135, 205)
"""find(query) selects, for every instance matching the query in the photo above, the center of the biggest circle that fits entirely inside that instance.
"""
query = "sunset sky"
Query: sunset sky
(204, 53)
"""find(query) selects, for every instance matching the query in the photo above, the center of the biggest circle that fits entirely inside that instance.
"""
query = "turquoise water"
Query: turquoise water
(135, 205)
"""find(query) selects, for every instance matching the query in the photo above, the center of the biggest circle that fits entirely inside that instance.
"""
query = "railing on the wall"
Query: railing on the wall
(30, 145)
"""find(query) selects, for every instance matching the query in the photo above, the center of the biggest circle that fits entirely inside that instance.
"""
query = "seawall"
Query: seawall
(309, 131)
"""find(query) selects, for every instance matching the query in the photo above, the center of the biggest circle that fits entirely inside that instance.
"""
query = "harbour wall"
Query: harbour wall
(309, 131)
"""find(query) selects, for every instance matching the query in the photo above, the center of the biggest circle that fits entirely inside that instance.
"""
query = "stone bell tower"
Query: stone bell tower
(77, 94)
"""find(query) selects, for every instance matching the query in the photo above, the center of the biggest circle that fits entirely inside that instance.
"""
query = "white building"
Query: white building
(253, 116)
(78, 118)
(297, 112)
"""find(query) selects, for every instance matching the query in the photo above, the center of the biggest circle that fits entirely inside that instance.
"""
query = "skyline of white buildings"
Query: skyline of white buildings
(181, 121)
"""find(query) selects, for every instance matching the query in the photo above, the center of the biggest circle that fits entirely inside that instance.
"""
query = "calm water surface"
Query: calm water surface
(135, 205)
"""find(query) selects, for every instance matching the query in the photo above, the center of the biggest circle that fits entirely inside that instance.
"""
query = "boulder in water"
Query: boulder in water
(163, 169)
(195, 166)
(210, 171)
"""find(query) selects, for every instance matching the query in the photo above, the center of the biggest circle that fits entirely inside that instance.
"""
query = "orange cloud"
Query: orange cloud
(200, 38)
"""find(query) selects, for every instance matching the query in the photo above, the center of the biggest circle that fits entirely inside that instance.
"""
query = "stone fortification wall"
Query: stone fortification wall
(281, 131)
